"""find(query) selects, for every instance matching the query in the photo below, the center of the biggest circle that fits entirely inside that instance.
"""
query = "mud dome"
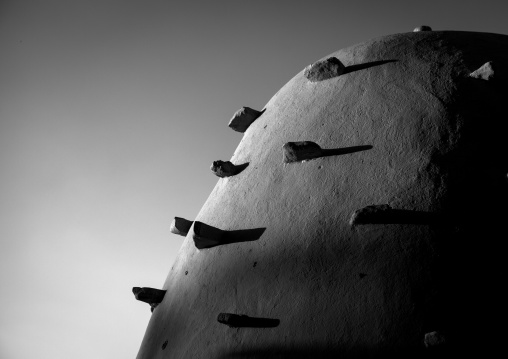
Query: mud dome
(409, 137)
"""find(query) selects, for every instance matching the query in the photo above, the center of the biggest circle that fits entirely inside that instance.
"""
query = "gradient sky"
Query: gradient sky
(111, 113)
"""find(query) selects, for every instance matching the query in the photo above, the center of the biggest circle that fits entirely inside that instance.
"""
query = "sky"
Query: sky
(111, 113)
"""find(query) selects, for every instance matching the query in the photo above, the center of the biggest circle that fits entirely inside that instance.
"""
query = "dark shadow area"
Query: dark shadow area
(323, 352)
(242, 235)
(206, 236)
(366, 65)
(344, 151)
(412, 217)
(308, 150)
(462, 297)
(240, 168)
(384, 214)
(244, 321)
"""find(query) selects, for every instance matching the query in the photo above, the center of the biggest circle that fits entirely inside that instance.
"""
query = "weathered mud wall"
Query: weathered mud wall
(433, 149)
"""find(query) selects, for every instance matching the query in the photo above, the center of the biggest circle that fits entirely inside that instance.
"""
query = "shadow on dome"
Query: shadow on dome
(353, 68)
(206, 236)
(325, 352)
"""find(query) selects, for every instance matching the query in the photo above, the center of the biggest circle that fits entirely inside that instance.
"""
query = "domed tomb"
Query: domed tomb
(381, 237)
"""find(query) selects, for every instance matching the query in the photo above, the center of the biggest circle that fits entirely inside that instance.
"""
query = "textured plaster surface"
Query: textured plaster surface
(438, 140)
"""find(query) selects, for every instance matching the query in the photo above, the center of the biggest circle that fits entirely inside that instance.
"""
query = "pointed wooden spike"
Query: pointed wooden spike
(324, 69)
(369, 214)
(206, 236)
(484, 72)
(300, 151)
(148, 295)
(243, 118)
(223, 168)
(180, 226)
(434, 339)
(231, 320)
(422, 28)
(226, 168)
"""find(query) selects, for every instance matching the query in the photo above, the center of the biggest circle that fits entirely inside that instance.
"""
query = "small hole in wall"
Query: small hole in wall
(255, 264)
(186, 272)
(265, 126)
(164, 345)
(320, 167)
(362, 275)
